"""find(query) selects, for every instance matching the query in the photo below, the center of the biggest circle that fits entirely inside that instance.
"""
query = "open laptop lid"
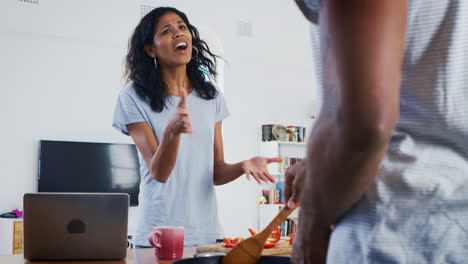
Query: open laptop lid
(75, 226)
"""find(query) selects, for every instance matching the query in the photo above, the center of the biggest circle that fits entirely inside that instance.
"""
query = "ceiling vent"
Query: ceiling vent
(245, 28)
(29, 1)
(145, 9)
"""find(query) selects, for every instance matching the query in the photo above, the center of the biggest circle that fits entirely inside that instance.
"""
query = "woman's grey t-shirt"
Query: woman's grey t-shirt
(188, 198)
(417, 210)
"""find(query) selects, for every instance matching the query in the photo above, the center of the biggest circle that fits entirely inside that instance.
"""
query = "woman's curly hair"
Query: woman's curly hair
(140, 68)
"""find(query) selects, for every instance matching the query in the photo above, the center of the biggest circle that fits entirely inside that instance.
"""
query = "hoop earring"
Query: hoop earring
(194, 52)
(155, 63)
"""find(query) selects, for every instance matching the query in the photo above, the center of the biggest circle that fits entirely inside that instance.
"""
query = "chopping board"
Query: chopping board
(282, 248)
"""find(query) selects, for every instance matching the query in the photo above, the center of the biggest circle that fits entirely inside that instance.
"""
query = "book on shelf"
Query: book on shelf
(288, 227)
(288, 161)
(275, 194)
(272, 196)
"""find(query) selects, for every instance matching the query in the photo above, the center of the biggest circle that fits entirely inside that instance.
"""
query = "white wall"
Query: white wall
(61, 68)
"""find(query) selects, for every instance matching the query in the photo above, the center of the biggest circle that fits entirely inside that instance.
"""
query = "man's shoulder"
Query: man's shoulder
(310, 9)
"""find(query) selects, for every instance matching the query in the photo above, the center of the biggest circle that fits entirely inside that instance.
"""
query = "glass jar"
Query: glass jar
(292, 133)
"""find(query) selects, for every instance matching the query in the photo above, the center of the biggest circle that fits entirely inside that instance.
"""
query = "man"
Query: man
(387, 160)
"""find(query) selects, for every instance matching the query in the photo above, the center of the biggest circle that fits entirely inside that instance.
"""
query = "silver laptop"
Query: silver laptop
(75, 226)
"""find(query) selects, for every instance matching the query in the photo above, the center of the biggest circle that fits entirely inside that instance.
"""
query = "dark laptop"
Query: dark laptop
(75, 226)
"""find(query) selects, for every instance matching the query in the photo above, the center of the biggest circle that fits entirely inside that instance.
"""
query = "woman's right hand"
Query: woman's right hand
(180, 122)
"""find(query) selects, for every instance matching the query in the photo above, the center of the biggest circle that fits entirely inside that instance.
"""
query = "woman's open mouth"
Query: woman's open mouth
(181, 47)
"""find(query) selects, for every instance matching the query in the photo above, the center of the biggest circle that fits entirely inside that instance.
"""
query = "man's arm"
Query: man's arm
(364, 43)
(362, 65)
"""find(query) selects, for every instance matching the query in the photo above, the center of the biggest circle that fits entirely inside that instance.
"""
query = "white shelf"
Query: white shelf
(266, 213)
(281, 149)
(287, 143)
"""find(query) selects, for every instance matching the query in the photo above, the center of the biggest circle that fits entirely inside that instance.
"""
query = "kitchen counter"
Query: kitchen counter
(134, 256)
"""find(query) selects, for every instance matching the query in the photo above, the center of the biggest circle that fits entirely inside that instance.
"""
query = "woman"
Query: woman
(169, 97)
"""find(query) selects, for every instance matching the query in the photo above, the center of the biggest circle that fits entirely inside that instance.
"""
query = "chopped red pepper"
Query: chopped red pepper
(231, 242)
(291, 238)
(269, 245)
(253, 232)
(274, 237)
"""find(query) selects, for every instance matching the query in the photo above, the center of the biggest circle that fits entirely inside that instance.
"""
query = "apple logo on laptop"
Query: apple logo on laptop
(76, 226)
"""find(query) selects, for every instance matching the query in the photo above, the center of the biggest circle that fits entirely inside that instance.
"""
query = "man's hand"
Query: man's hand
(294, 183)
(256, 167)
(180, 122)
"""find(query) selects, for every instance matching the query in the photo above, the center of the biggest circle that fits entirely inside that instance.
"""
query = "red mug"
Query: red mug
(168, 242)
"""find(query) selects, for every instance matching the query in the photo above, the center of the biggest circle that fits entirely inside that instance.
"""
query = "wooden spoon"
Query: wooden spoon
(250, 250)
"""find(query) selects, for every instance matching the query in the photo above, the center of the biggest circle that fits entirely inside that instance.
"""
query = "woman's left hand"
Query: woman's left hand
(257, 168)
